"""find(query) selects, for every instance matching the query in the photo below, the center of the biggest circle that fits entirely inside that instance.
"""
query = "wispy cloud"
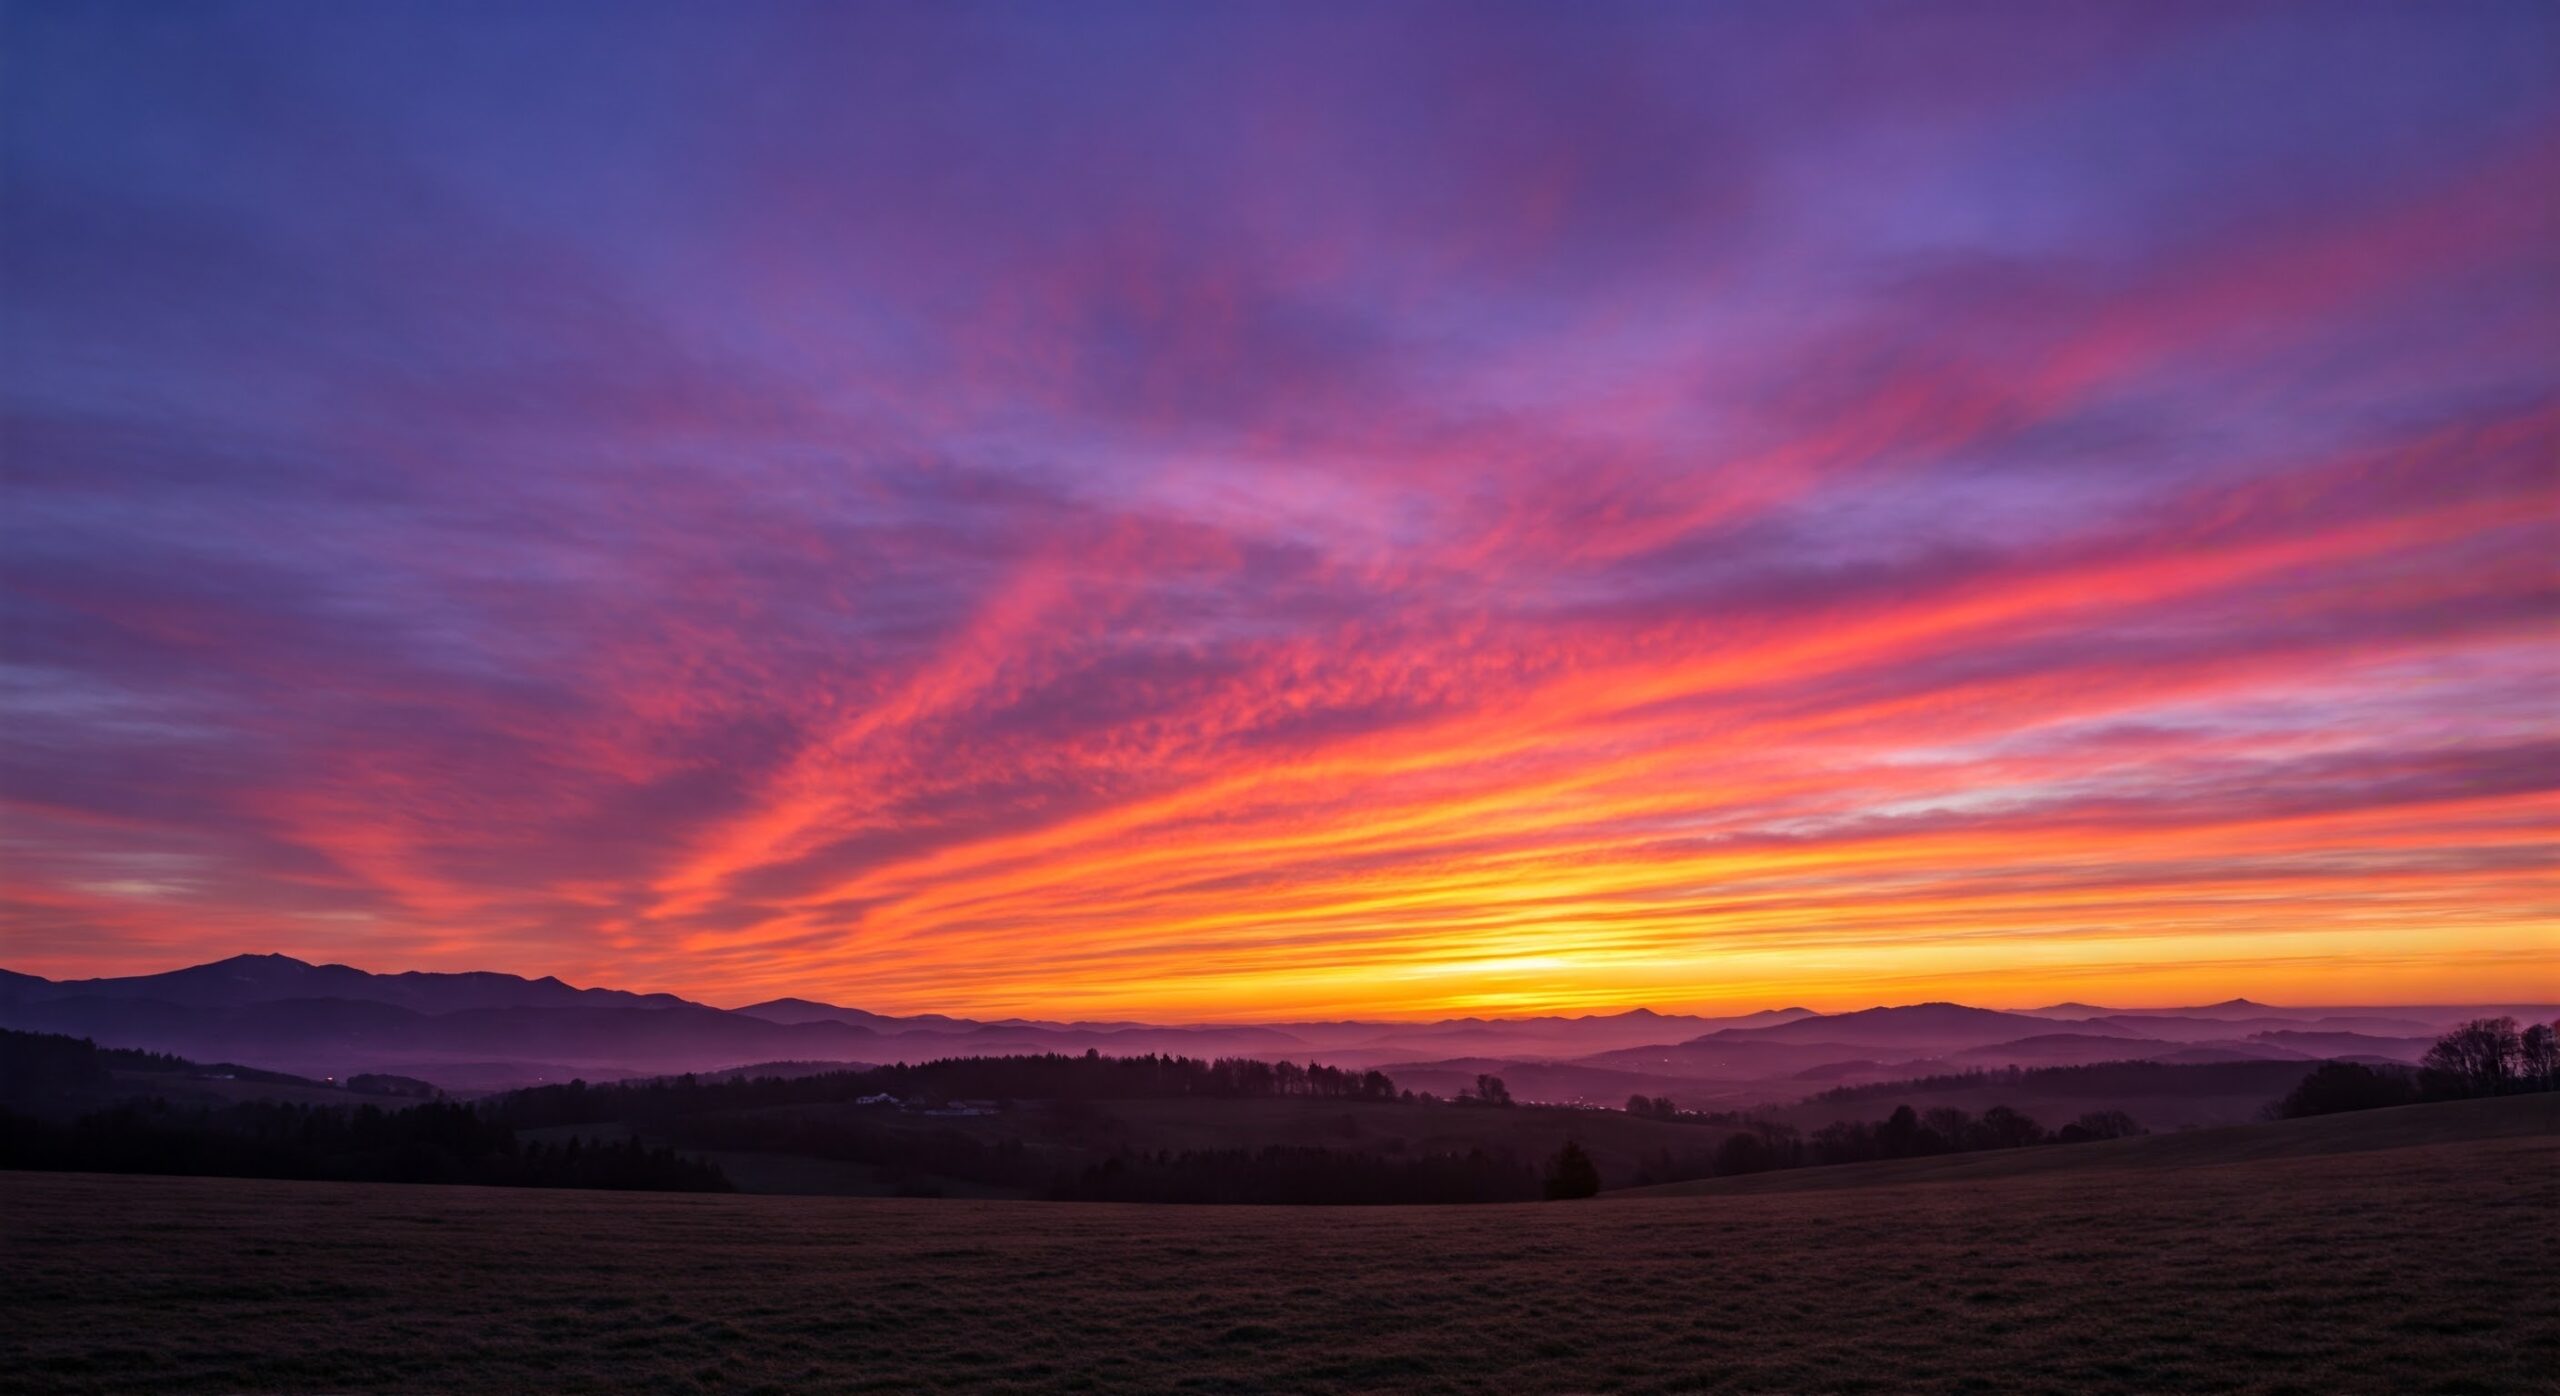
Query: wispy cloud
(1244, 512)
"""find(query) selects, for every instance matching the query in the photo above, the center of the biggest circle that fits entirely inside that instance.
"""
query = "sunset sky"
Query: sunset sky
(1248, 511)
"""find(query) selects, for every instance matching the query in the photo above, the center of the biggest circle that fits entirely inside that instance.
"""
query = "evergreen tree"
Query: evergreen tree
(1571, 1174)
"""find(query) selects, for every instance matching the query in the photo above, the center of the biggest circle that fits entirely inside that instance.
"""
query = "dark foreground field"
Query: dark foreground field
(2393, 1252)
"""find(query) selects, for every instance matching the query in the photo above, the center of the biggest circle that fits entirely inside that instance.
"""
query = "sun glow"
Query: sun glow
(1456, 531)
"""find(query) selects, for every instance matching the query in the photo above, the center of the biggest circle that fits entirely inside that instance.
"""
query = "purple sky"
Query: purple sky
(1230, 510)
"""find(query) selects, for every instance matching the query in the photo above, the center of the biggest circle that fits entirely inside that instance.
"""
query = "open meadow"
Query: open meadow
(2393, 1251)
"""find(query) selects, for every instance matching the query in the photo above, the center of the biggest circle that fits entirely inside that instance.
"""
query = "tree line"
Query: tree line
(426, 1143)
(38, 1066)
(905, 1157)
(1763, 1145)
(2484, 1057)
(2121, 1078)
(1909, 1133)
(1045, 1076)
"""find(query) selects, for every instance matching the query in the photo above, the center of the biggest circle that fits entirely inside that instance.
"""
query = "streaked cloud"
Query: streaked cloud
(1260, 511)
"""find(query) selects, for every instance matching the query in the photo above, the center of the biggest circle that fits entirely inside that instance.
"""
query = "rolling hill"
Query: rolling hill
(255, 979)
(339, 1036)
(2161, 1095)
(1919, 1027)
(2251, 1261)
(2523, 1117)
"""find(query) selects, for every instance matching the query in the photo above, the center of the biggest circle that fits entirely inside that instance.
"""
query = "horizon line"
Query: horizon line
(1203, 1024)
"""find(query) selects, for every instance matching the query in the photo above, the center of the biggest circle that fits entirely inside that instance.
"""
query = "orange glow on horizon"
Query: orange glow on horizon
(1549, 517)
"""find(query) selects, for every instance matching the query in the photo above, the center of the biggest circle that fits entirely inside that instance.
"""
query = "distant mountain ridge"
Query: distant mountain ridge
(322, 1019)
(282, 1013)
(1919, 1025)
(269, 978)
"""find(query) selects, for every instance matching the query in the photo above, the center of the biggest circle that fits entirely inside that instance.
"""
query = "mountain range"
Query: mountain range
(483, 1030)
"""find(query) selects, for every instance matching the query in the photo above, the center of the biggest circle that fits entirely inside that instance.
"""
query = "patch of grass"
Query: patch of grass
(2417, 1263)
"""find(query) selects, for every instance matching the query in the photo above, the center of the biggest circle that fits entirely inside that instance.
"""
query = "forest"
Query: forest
(1046, 1076)
(2484, 1057)
(430, 1142)
(1055, 1140)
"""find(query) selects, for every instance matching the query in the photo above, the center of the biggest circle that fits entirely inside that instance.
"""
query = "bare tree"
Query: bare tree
(2482, 1057)
(2541, 1054)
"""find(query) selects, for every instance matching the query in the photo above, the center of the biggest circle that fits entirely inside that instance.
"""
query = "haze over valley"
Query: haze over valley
(481, 1031)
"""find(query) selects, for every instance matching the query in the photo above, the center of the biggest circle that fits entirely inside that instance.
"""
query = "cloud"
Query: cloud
(1186, 513)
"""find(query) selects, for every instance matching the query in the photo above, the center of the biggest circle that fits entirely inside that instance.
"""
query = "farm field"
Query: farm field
(2396, 1251)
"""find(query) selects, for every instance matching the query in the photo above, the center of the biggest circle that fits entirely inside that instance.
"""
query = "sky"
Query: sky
(1248, 511)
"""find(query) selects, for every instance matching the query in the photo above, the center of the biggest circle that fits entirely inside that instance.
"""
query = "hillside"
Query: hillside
(338, 1036)
(2161, 1095)
(1020, 1148)
(2535, 1117)
(2409, 1267)
(1911, 1027)
(247, 979)
(61, 1077)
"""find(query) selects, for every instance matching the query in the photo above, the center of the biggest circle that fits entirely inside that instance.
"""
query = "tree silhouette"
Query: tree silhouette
(1571, 1174)
(2332, 1087)
(1900, 1136)
(1745, 1153)
(2107, 1124)
(2482, 1057)
(1955, 1129)
(2540, 1059)
(1491, 1091)
(2005, 1128)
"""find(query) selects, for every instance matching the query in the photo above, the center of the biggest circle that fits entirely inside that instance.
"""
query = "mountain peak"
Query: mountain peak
(1933, 1026)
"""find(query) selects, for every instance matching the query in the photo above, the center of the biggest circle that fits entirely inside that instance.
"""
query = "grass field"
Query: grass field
(2400, 1251)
